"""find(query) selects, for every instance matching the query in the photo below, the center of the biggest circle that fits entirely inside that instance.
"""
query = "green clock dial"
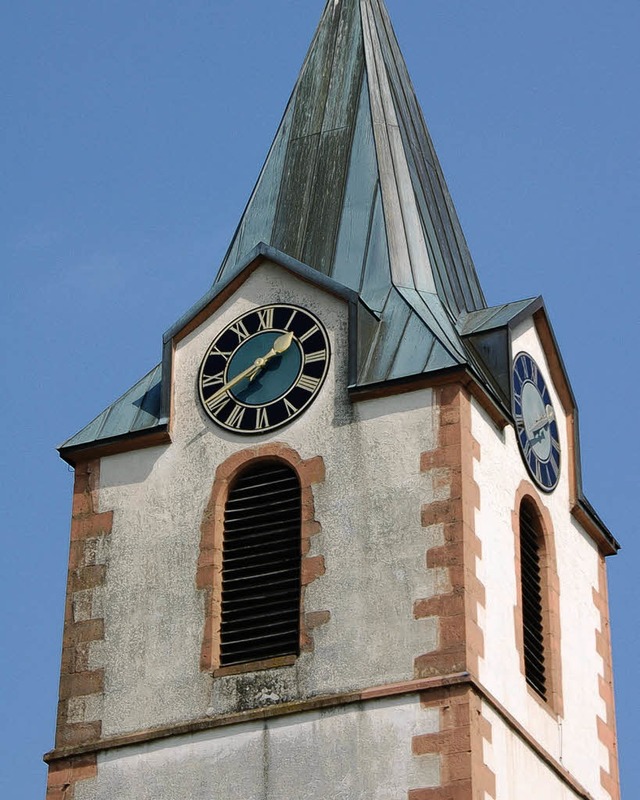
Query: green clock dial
(264, 369)
(536, 425)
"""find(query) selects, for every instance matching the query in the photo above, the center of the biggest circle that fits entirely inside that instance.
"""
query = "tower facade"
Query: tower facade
(335, 544)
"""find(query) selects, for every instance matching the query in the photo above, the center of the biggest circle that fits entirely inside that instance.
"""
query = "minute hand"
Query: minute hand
(281, 344)
(544, 420)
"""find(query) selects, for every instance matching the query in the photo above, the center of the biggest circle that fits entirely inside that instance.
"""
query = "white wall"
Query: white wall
(572, 740)
(520, 773)
(372, 540)
(302, 757)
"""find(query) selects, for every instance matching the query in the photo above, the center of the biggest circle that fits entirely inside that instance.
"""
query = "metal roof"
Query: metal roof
(497, 316)
(137, 410)
(352, 185)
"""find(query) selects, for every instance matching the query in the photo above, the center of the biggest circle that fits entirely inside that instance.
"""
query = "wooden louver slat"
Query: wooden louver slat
(261, 565)
(532, 607)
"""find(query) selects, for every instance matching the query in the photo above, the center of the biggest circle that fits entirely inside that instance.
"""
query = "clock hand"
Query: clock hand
(281, 344)
(548, 417)
(239, 377)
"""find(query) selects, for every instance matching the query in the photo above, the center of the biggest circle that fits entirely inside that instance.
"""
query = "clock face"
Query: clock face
(264, 369)
(535, 419)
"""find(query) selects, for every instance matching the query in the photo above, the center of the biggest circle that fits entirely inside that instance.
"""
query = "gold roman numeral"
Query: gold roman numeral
(262, 419)
(240, 330)
(265, 316)
(291, 409)
(213, 380)
(308, 383)
(293, 313)
(309, 333)
(235, 417)
(217, 352)
(216, 404)
(319, 355)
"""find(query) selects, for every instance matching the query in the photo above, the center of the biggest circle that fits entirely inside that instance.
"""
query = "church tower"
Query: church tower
(335, 544)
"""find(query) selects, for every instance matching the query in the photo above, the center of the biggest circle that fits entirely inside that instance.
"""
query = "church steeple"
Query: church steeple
(352, 189)
(336, 543)
(352, 186)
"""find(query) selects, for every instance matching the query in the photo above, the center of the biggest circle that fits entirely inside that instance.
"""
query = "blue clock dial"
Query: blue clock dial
(271, 382)
(264, 369)
(535, 422)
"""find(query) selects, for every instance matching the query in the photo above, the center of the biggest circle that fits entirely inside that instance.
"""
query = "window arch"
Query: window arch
(261, 565)
(537, 608)
(535, 628)
(209, 571)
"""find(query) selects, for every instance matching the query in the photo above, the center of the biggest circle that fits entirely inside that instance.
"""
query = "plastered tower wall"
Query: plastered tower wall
(302, 756)
(372, 552)
(405, 489)
(569, 726)
(372, 547)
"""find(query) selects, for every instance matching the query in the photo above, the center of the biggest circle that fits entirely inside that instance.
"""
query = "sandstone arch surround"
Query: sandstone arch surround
(550, 598)
(209, 570)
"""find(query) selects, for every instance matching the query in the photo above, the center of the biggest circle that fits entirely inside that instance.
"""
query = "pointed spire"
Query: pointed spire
(353, 189)
(352, 186)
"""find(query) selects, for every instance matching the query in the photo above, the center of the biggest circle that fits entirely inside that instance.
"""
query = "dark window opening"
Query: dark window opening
(261, 565)
(531, 551)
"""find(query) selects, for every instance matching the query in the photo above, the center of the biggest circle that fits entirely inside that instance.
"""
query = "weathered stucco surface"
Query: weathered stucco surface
(305, 756)
(520, 773)
(371, 539)
(572, 740)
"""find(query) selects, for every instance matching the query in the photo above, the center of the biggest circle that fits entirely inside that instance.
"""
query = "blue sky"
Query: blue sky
(131, 135)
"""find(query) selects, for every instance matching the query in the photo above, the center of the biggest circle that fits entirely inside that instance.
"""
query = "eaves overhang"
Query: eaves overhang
(132, 440)
(134, 416)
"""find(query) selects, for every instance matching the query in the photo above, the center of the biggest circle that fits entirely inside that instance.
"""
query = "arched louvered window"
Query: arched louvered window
(533, 588)
(261, 557)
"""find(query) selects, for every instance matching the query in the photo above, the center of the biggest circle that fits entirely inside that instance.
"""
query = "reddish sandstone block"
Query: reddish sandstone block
(85, 767)
(90, 630)
(440, 511)
(91, 526)
(452, 631)
(205, 576)
(457, 767)
(316, 618)
(609, 784)
(312, 568)
(78, 733)
(442, 605)
(449, 555)
(310, 528)
(312, 470)
(440, 662)
(80, 684)
(455, 740)
(88, 577)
